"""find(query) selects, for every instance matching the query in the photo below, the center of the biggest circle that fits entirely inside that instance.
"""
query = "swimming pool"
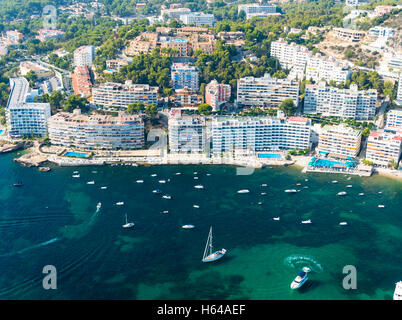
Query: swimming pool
(269, 155)
(1, 131)
(76, 154)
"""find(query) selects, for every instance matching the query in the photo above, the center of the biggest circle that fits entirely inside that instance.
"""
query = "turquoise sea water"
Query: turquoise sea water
(52, 220)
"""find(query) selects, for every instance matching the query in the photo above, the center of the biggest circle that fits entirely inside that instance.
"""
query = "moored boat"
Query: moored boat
(300, 279)
(398, 291)
(209, 255)
(342, 193)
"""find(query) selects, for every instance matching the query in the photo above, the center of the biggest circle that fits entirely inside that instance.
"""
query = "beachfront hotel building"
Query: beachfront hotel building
(248, 135)
(84, 56)
(291, 56)
(266, 91)
(384, 148)
(184, 75)
(320, 67)
(339, 140)
(96, 132)
(217, 94)
(23, 115)
(394, 120)
(345, 103)
(257, 9)
(399, 93)
(198, 19)
(111, 94)
(187, 133)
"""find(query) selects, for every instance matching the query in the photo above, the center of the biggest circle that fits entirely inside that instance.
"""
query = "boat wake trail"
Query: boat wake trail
(8, 223)
(42, 244)
(298, 261)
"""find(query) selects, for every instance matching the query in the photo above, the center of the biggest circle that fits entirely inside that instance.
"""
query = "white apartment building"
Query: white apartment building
(399, 93)
(266, 91)
(339, 140)
(198, 19)
(84, 56)
(345, 103)
(320, 68)
(187, 134)
(384, 147)
(174, 13)
(184, 75)
(95, 132)
(291, 56)
(382, 32)
(217, 94)
(121, 95)
(252, 134)
(394, 120)
(23, 116)
(256, 9)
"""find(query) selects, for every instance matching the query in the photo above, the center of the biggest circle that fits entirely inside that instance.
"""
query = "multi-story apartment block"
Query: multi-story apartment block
(382, 32)
(320, 68)
(399, 92)
(121, 95)
(187, 134)
(47, 34)
(145, 43)
(204, 42)
(383, 9)
(394, 120)
(339, 140)
(187, 98)
(256, 9)
(174, 13)
(184, 75)
(266, 91)
(81, 80)
(291, 56)
(345, 103)
(249, 135)
(116, 64)
(349, 34)
(217, 94)
(14, 36)
(384, 148)
(23, 115)
(198, 19)
(181, 45)
(89, 132)
(84, 56)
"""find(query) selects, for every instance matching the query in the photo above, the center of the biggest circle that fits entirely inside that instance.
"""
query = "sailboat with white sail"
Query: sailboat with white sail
(209, 255)
(128, 224)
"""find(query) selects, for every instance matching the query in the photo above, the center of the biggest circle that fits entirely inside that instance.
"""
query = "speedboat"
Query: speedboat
(342, 193)
(165, 211)
(18, 184)
(76, 175)
(94, 171)
(349, 186)
(128, 224)
(195, 178)
(188, 226)
(208, 174)
(199, 186)
(290, 191)
(98, 206)
(157, 191)
(167, 196)
(243, 191)
(91, 182)
(361, 194)
(162, 181)
(264, 185)
(343, 223)
(276, 218)
(298, 184)
(334, 181)
(195, 172)
(398, 291)
(263, 193)
(196, 206)
(119, 203)
(153, 175)
(306, 180)
(103, 188)
(178, 173)
(300, 279)
(306, 221)
(75, 172)
(140, 181)
(381, 206)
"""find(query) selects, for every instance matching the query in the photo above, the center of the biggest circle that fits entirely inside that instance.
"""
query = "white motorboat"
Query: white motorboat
(263, 193)
(196, 206)
(128, 224)
(209, 255)
(75, 172)
(140, 181)
(243, 191)
(334, 181)
(208, 174)
(344, 223)
(349, 186)
(300, 279)
(76, 175)
(178, 173)
(157, 191)
(290, 190)
(381, 206)
(361, 194)
(165, 211)
(199, 186)
(153, 175)
(91, 182)
(195, 178)
(98, 206)
(103, 188)
(188, 226)
(119, 203)
(264, 185)
(276, 218)
(306, 180)
(94, 171)
(195, 172)
(306, 221)
(342, 193)
(398, 291)
(162, 181)
(167, 196)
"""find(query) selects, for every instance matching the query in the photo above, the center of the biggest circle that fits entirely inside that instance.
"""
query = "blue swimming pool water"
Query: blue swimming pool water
(269, 155)
(1, 131)
(76, 154)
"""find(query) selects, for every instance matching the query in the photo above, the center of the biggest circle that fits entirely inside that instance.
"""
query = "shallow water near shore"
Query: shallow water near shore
(52, 220)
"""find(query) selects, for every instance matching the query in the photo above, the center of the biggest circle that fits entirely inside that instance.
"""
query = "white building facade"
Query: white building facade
(384, 148)
(184, 75)
(84, 56)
